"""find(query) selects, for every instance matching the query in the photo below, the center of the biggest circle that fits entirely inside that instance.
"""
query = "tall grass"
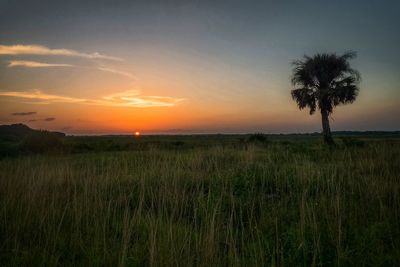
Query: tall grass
(274, 205)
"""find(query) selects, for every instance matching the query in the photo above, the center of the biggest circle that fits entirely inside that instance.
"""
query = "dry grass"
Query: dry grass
(275, 205)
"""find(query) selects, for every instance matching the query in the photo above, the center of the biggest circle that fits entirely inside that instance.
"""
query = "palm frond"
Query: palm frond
(349, 55)
(305, 97)
(324, 81)
(344, 91)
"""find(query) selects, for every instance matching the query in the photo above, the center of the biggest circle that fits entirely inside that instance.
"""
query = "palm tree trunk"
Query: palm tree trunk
(326, 129)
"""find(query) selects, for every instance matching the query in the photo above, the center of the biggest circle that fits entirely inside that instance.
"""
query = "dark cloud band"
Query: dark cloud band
(23, 113)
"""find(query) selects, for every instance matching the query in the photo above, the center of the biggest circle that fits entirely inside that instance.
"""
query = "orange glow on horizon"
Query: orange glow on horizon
(137, 133)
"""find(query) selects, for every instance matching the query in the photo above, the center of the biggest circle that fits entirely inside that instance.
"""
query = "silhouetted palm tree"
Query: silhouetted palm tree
(323, 82)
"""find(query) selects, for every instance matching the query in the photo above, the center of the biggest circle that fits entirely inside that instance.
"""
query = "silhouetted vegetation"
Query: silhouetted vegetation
(323, 82)
(14, 132)
(29, 141)
(19, 139)
(258, 137)
(42, 141)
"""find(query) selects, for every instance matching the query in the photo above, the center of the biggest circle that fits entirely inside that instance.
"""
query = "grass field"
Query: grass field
(276, 203)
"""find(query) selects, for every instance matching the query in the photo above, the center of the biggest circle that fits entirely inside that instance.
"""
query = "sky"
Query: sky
(116, 67)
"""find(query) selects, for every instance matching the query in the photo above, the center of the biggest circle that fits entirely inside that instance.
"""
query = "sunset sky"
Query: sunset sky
(100, 67)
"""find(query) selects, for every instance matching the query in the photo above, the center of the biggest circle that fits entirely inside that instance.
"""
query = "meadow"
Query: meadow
(203, 201)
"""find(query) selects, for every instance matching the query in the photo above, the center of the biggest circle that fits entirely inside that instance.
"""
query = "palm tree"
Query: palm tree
(323, 82)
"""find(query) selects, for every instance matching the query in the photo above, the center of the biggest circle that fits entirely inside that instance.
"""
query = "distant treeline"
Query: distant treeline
(19, 139)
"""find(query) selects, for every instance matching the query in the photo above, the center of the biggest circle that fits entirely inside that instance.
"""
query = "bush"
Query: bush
(258, 137)
(42, 141)
(8, 149)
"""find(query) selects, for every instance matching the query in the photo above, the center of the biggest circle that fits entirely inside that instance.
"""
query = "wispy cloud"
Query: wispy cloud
(23, 113)
(45, 98)
(35, 64)
(49, 119)
(131, 98)
(135, 99)
(123, 73)
(20, 49)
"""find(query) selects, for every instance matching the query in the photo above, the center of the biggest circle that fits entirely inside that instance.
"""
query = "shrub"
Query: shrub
(8, 149)
(42, 141)
(258, 137)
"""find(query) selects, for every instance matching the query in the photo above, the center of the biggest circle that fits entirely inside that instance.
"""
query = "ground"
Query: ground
(203, 201)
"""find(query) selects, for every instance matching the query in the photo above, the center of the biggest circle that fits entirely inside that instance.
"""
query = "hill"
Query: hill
(17, 132)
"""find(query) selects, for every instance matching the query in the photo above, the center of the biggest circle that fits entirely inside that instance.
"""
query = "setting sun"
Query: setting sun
(137, 133)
